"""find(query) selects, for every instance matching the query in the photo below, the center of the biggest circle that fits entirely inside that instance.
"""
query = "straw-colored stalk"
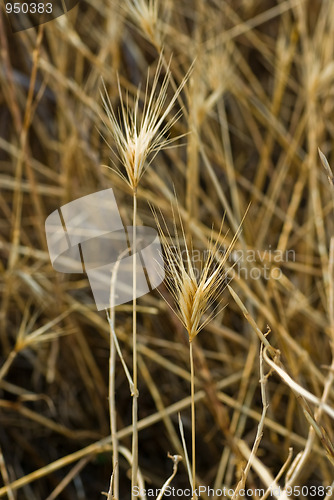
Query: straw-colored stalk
(193, 424)
(114, 482)
(138, 140)
(134, 343)
(194, 291)
(113, 493)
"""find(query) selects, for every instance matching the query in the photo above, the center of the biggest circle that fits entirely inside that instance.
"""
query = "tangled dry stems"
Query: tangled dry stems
(256, 124)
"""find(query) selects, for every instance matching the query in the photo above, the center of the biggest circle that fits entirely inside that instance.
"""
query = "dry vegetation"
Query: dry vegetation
(257, 105)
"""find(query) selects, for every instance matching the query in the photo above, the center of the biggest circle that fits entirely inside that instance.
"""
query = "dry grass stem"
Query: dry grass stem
(176, 459)
(259, 432)
(298, 389)
(186, 456)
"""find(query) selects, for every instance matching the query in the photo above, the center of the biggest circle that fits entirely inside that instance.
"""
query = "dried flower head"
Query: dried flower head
(193, 287)
(140, 138)
(145, 14)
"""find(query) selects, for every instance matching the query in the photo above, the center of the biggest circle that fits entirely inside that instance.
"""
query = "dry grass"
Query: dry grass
(255, 109)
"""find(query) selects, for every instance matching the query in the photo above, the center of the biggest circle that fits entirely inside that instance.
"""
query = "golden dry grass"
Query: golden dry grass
(257, 106)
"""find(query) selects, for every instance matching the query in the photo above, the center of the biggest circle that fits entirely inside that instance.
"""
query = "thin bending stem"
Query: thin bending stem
(193, 429)
(134, 350)
(112, 408)
(114, 481)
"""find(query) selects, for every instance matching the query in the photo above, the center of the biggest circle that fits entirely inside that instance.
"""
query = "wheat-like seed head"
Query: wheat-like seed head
(139, 139)
(145, 14)
(194, 289)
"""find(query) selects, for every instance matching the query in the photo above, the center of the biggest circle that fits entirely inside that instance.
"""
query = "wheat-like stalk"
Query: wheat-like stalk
(138, 140)
(194, 290)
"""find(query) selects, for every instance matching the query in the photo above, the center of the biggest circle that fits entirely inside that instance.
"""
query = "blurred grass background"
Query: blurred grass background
(257, 106)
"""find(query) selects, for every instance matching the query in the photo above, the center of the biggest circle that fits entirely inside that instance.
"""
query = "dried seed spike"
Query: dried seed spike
(326, 166)
(139, 138)
(194, 289)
